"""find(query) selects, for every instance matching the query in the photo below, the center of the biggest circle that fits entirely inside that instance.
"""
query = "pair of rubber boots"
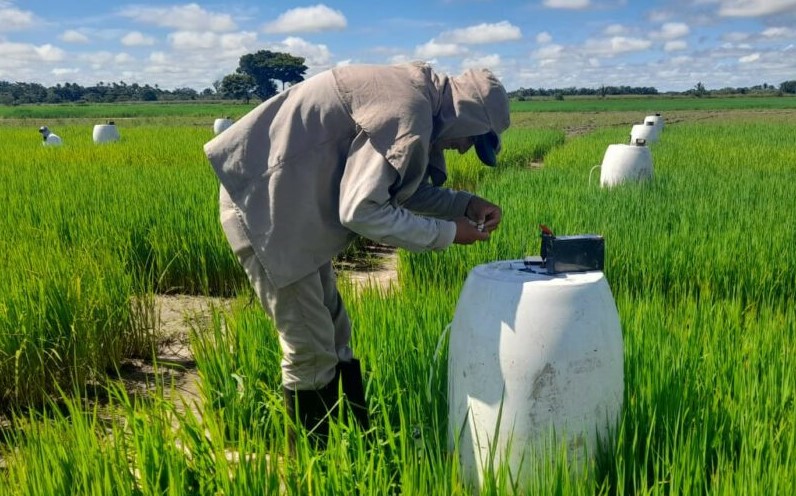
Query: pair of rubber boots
(312, 409)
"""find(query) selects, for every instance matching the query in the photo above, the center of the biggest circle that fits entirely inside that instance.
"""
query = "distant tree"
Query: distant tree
(699, 90)
(788, 87)
(265, 67)
(237, 86)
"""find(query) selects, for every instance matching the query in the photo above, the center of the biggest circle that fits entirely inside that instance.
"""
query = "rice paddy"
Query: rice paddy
(701, 262)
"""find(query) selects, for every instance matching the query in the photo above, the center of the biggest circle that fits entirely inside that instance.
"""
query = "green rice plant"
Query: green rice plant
(700, 261)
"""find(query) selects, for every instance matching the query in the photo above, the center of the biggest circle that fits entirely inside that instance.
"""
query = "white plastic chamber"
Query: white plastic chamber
(105, 133)
(626, 162)
(531, 354)
(220, 125)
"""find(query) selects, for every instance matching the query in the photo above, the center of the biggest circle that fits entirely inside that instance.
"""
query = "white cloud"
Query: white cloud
(433, 49)
(65, 71)
(137, 38)
(50, 53)
(25, 61)
(543, 38)
(487, 61)
(228, 43)
(615, 30)
(307, 20)
(749, 58)
(549, 52)
(616, 45)
(159, 57)
(482, 33)
(72, 36)
(780, 32)
(673, 30)
(566, 4)
(314, 54)
(754, 8)
(123, 58)
(185, 17)
(193, 40)
(735, 36)
(675, 46)
(14, 19)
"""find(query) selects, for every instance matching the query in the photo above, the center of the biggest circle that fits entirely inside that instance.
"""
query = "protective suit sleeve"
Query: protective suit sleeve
(438, 202)
(366, 205)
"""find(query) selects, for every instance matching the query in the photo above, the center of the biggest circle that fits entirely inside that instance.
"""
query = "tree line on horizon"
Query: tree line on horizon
(258, 73)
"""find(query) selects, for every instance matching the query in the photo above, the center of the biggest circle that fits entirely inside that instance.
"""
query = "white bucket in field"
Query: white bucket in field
(220, 125)
(656, 121)
(647, 131)
(105, 133)
(531, 354)
(626, 163)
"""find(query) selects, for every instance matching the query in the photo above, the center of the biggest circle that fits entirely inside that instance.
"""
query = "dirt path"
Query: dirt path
(177, 315)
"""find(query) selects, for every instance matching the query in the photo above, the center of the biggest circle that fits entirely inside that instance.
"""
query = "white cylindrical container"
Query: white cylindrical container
(105, 133)
(626, 163)
(531, 354)
(220, 125)
(647, 131)
(656, 121)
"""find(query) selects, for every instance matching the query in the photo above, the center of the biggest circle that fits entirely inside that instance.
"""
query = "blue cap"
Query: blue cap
(487, 147)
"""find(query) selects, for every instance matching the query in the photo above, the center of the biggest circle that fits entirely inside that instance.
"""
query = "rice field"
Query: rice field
(701, 263)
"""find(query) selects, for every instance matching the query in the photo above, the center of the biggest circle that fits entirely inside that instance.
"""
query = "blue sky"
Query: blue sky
(671, 45)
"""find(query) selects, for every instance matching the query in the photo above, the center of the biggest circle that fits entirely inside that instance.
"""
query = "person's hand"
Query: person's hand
(468, 232)
(483, 213)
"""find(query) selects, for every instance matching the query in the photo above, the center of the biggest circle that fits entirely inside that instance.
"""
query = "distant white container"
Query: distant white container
(531, 354)
(656, 120)
(220, 125)
(105, 133)
(622, 163)
(647, 132)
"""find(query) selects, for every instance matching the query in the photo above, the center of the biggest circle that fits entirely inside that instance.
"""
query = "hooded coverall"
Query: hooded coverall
(349, 151)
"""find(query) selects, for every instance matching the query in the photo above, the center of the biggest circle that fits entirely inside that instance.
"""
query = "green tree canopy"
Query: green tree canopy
(237, 86)
(265, 67)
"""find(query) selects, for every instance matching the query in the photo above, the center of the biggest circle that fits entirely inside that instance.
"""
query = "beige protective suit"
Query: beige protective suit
(348, 151)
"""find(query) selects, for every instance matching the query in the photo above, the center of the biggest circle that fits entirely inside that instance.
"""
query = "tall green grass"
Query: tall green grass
(700, 261)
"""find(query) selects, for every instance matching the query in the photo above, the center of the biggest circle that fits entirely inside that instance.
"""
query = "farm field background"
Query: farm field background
(701, 262)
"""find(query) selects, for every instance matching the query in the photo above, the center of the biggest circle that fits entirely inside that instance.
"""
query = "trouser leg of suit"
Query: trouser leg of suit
(314, 332)
(309, 315)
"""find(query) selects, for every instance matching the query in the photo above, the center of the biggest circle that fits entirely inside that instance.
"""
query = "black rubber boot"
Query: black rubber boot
(354, 389)
(312, 409)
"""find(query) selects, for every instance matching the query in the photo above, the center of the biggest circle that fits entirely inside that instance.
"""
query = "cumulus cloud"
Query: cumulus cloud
(50, 53)
(749, 58)
(65, 71)
(23, 61)
(482, 33)
(487, 61)
(615, 30)
(72, 36)
(616, 45)
(754, 8)
(566, 4)
(307, 20)
(543, 38)
(549, 52)
(673, 30)
(675, 45)
(184, 17)
(735, 36)
(779, 33)
(316, 55)
(230, 43)
(14, 19)
(434, 49)
(137, 38)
